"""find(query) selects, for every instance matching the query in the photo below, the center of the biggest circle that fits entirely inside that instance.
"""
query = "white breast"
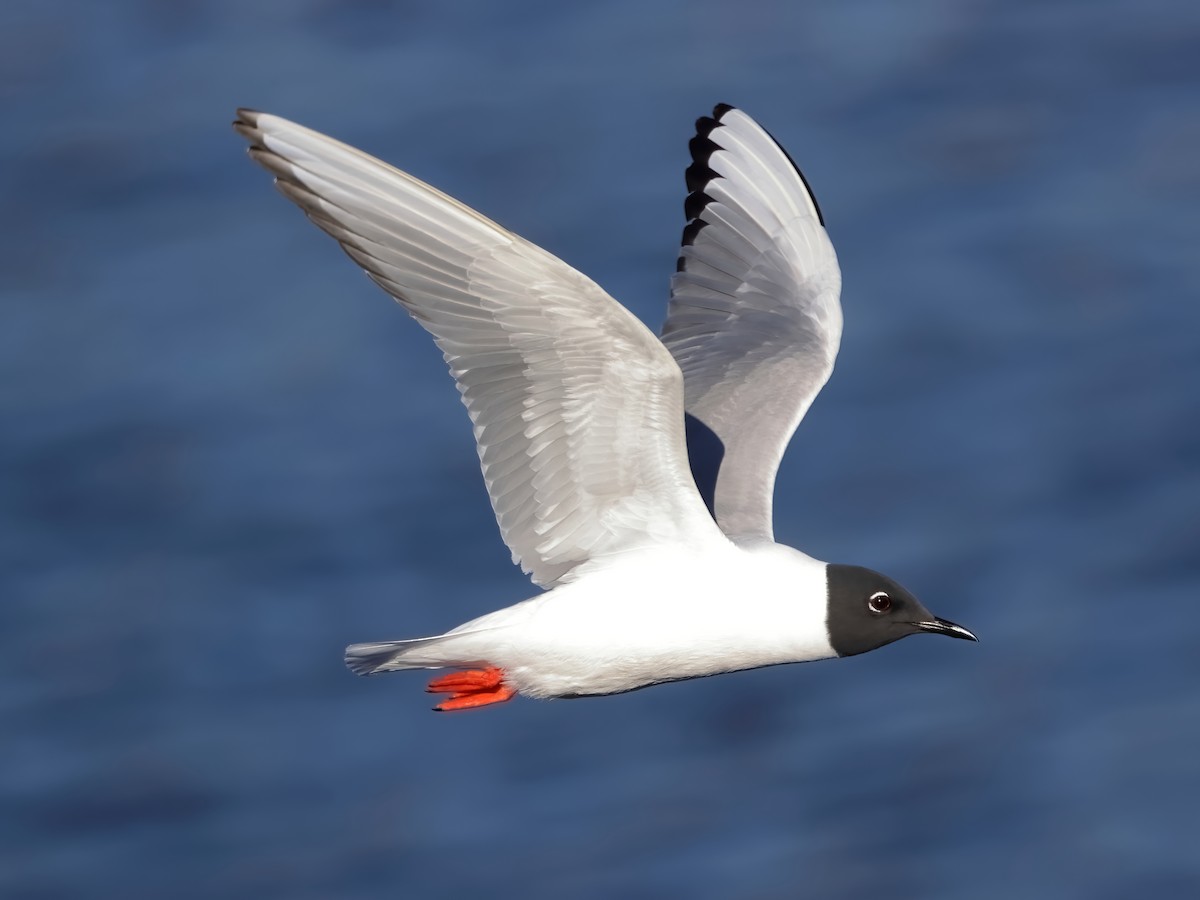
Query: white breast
(656, 616)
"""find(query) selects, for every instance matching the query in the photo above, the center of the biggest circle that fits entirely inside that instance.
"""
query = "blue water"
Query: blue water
(225, 455)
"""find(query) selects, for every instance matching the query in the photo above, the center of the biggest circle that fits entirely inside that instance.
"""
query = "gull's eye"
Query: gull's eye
(879, 602)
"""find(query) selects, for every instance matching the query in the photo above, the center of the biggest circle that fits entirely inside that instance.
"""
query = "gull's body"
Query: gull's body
(655, 569)
(662, 614)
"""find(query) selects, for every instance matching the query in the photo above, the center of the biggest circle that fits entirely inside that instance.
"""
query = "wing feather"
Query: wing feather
(577, 408)
(754, 319)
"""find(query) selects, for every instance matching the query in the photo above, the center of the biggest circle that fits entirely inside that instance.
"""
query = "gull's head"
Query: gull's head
(867, 610)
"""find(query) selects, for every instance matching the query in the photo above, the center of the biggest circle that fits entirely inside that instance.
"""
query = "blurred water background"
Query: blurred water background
(226, 454)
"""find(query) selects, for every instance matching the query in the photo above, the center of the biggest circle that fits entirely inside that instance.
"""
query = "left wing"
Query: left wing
(577, 407)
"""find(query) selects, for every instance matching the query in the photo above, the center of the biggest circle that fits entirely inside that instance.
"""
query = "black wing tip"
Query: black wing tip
(695, 203)
(704, 127)
(699, 173)
(703, 146)
(690, 231)
(705, 124)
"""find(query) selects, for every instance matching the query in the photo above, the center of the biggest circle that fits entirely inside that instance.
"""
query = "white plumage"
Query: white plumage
(578, 413)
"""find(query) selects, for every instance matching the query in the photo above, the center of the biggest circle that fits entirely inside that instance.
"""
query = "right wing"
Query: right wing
(754, 320)
(577, 407)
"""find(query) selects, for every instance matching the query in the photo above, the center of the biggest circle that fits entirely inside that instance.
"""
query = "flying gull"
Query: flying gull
(654, 568)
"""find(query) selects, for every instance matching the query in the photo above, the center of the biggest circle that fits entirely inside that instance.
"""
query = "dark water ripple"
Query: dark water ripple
(225, 456)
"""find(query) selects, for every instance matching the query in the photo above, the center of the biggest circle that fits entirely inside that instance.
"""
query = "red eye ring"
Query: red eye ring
(879, 602)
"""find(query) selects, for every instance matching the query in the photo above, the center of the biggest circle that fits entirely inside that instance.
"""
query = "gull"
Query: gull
(654, 567)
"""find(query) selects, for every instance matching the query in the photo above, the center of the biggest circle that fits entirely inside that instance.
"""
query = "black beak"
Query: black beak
(949, 629)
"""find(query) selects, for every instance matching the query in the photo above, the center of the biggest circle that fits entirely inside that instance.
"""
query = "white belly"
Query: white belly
(654, 618)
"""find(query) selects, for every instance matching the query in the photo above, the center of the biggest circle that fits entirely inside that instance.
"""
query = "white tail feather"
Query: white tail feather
(389, 656)
(418, 653)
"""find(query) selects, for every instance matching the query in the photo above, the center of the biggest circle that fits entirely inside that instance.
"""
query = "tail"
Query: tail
(393, 656)
(387, 656)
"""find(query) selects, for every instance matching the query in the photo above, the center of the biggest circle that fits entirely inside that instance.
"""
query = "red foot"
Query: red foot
(470, 688)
